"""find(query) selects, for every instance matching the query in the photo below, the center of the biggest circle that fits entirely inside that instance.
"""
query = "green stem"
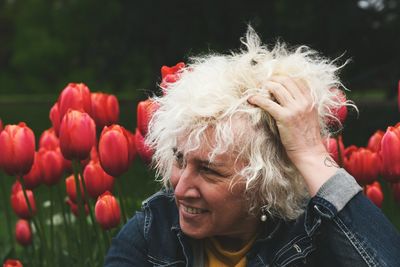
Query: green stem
(121, 199)
(52, 226)
(34, 260)
(81, 214)
(94, 223)
(65, 222)
(106, 240)
(7, 213)
(39, 230)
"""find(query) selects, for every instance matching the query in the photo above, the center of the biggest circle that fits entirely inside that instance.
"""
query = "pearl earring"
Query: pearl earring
(263, 218)
(263, 213)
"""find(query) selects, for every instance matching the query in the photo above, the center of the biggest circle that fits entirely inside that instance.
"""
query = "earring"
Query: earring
(263, 214)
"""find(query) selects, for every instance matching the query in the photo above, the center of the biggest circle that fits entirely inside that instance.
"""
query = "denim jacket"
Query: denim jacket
(340, 227)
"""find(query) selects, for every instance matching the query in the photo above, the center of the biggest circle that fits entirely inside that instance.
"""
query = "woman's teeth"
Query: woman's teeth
(193, 210)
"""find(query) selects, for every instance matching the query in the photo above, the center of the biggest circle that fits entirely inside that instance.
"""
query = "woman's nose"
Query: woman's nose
(186, 186)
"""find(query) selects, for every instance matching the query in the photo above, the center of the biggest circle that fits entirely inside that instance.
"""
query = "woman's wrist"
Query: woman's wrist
(316, 166)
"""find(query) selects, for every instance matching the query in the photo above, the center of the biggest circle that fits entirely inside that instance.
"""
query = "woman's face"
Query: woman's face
(208, 205)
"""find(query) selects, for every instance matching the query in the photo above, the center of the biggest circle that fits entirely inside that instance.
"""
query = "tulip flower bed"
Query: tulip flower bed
(68, 189)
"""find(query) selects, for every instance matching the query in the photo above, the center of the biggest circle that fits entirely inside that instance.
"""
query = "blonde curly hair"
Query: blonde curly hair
(212, 92)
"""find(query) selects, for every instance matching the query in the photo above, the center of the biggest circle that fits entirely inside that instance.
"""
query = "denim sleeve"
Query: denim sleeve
(339, 189)
(129, 247)
(348, 229)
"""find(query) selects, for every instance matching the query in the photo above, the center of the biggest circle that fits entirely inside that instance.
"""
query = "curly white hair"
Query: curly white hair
(212, 92)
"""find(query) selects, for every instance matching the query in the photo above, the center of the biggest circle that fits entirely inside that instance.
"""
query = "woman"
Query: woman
(238, 142)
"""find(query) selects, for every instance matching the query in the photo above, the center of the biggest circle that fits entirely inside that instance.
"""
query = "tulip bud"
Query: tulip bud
(374, 193)
(374, 142)
(97, 180)
(145, 110)
(170, 75)
(49, 140)
(332, 145)
(34, 177)
(75, 209)
(165, 70)
(17, 149)
(363, 164)
(94, 155)
(70, 187)
(75, 96)
(12, 263)
(142, 149)
(105, 109)
(339, 111)
(77, 135)
(107, 211)
(20, 205)
(23, 232)
(132, 145)
(114, 150)
(52, 166)
(55, 119)
(390, 154)
(16, 187)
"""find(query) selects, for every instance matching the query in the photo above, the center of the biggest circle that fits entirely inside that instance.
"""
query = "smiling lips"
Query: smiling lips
(192, 210)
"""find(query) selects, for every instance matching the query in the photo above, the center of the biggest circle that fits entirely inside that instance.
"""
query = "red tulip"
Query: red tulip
(165, 70)
(49, 140)
(374, 193)
(55, 119)
(75, 96)
(396, 191)
(114, 150)
(107, 211)
(97, 180)
(16, 187)
(77, 135)
(12, 263)
(332, 147)
(94, 155)
(363, 164)
(75, 209)
(145, 110)
(170, 75)
(23, 232)
(70, 187)
(341, 111)
(142, 149)
(52, 166)
(20, 205)
(390, 154)
(1, 125)
(105, 109)
(374, 142)
(17, 149)
(132, 145)
(34, 177)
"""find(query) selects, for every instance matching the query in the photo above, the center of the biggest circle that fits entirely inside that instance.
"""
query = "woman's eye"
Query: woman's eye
(207, 170)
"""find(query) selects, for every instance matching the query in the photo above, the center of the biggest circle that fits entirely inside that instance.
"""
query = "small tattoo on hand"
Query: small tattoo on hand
(329, 162)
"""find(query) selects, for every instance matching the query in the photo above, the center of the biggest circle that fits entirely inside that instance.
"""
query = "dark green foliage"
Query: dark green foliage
(119, 46)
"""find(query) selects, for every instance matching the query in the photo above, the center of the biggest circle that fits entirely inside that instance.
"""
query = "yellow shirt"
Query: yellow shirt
(218, 257)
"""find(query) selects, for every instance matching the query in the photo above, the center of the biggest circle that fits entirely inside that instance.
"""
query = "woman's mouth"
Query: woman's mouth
(193, 210)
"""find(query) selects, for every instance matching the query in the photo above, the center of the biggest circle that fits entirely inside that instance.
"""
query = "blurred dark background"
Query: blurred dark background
(119, 46)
